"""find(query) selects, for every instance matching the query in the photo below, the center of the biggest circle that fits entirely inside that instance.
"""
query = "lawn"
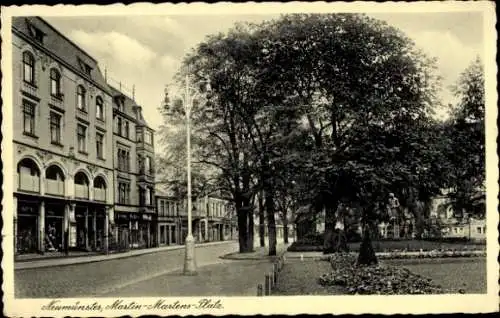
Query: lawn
(459, 273)
(301, 277)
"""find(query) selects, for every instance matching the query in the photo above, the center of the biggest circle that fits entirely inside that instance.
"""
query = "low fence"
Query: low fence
(271, 279)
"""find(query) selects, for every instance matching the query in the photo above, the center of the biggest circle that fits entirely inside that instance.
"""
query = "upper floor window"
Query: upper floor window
(123, 160)
(99, 108)
(55, 83)
(147, 164)
(99, 139)
(123, 192)
(29, 67)
(126, 130)
(138, 134)
(82, 138)
(29, 117)
(36, 33)
(119, 125)
(161, 208)
(55, 128)
(148, 137)
(80, 98)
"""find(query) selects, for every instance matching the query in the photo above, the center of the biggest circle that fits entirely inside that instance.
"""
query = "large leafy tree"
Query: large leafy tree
(467, 150)
(348, 98)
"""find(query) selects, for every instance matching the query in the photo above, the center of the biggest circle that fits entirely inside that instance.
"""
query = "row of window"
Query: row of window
(123, 129)
(55, 122)
(479, 230)
(55, 85)
(168, 208)
(145, 194)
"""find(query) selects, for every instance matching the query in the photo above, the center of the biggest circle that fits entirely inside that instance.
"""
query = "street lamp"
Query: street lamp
(189, 260)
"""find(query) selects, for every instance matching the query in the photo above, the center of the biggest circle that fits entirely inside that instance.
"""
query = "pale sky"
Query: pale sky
(146, 51)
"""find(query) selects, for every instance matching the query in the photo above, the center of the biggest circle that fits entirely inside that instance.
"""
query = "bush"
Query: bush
(298, 247)
(376, 279)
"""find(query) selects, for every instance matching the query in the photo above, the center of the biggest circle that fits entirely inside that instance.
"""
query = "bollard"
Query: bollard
(267, 285)
(301, 257)
(275, 274)
(259, 290)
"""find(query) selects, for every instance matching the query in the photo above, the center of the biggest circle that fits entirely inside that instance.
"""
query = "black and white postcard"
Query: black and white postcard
(250, 158)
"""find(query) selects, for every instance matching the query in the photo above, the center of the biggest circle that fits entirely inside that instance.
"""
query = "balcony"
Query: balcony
(99, 194)
(54, 187)
(29, 183)
(57, 101)
(30, 89)
(81, 191)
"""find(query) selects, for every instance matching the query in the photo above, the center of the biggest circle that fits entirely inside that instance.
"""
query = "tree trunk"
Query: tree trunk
(285, 231)
(271, 223)
(329, 245)
(242, 230)
(242, 213)
(262, 229)
(250, 228)
(366, 252)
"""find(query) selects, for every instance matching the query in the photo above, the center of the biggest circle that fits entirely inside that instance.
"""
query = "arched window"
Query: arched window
(81, 185)
(29, 67)
(28, 175)
(99, 189)
(80, 98)
(55, 83)
(54, 180)
(99, 108)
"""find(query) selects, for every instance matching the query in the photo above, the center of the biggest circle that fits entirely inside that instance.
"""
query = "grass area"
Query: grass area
(301, 277)
(459, 273)
(387, 246)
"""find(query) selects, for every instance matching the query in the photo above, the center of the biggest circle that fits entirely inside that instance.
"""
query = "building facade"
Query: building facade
(82, 149)
(62, 119)
(213, 219)
(133, 153)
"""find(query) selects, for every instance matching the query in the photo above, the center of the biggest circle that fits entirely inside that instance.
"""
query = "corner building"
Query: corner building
(134, 175)
(62, 138)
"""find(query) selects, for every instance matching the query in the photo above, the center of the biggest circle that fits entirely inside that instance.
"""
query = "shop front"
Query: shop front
(133, 230)
(26, 226)
(89, 228)
(168, 232)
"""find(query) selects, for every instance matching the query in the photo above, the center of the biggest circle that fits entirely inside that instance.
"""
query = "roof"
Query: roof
(62, 47)
(130, 105)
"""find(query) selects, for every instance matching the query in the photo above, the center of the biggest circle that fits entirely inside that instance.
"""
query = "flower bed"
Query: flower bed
(377, 279)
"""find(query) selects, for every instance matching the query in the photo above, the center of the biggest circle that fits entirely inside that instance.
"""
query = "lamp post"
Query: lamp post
(189, 260)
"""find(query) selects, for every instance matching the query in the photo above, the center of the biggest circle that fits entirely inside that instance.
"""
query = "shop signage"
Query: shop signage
(134, 216)
(147, 217)
(122, 216)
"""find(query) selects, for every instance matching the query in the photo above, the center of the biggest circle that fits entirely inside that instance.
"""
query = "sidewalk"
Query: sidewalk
(90, 258)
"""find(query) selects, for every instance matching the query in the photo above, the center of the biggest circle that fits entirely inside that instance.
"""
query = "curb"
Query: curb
(66, 261)
(254, 258)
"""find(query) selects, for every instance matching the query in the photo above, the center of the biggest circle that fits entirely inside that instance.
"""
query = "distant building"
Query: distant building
(133, 147)
(213, 219)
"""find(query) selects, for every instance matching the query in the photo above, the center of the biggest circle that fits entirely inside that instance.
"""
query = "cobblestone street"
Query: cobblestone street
(100, 278)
